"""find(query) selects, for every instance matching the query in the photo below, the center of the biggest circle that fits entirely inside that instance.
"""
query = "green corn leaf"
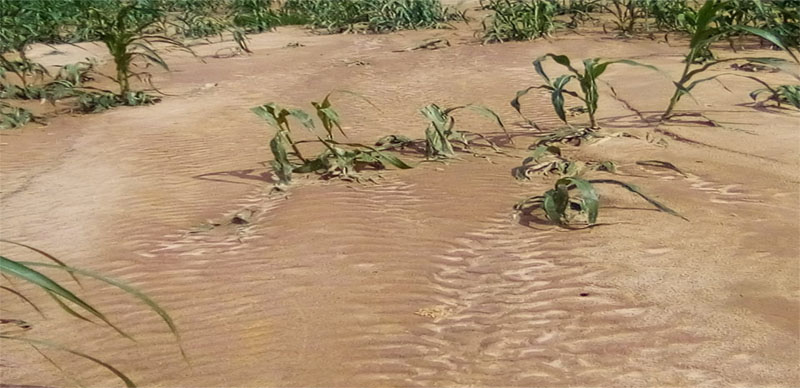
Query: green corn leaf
(562, 60)
(600, 68)
(375, 153)
(555, 203)
(486, 112)
(692, 85)
(537, 65)
(267, 112)
(520, 93)
(705, 15)
(661, 164)
(541, 151)
(150, 54)
(768, 36)
(589, 199)
(281, 164)
(303, 117)
(557, 95)
(634, 189)
(392, 160)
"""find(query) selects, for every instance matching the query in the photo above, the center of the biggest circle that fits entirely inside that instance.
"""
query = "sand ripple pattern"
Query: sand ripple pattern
(511, 306)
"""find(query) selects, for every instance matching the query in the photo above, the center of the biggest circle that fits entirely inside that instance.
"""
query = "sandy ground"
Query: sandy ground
(424, 278)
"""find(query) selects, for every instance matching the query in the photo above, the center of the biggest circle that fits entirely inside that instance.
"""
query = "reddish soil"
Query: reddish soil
(424, 278)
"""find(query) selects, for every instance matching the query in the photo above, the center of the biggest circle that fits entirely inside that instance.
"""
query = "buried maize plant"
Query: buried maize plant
(442, 140)
(548, 160)
(440, 134)
(337, 160)
(32, 273)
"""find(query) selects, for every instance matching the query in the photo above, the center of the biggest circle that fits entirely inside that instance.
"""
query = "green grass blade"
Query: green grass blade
(128, 382)
(634, 189)
(69, 310)
(43, 253)
(26, 273)
(124, 287)
(486, 112)
(661, 164)
(768, 36)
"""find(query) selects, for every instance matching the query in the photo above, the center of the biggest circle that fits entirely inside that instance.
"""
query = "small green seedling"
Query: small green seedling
(339, 159)
(440, 134)
(593, 69)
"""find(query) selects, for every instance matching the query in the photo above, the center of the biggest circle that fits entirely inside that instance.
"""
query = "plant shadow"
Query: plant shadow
(246, 175)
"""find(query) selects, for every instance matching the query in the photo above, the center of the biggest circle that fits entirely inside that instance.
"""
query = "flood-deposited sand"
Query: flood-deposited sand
(424, 278)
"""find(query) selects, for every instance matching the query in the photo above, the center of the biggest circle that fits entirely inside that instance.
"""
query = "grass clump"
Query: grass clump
(12, 117)
(375, 16)
(518, 20)
(783, 94)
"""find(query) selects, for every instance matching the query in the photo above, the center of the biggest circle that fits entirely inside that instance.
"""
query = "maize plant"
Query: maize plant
(704, 35)
(593, 68)
(440, 134)
(127, 40)
(338, 159)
